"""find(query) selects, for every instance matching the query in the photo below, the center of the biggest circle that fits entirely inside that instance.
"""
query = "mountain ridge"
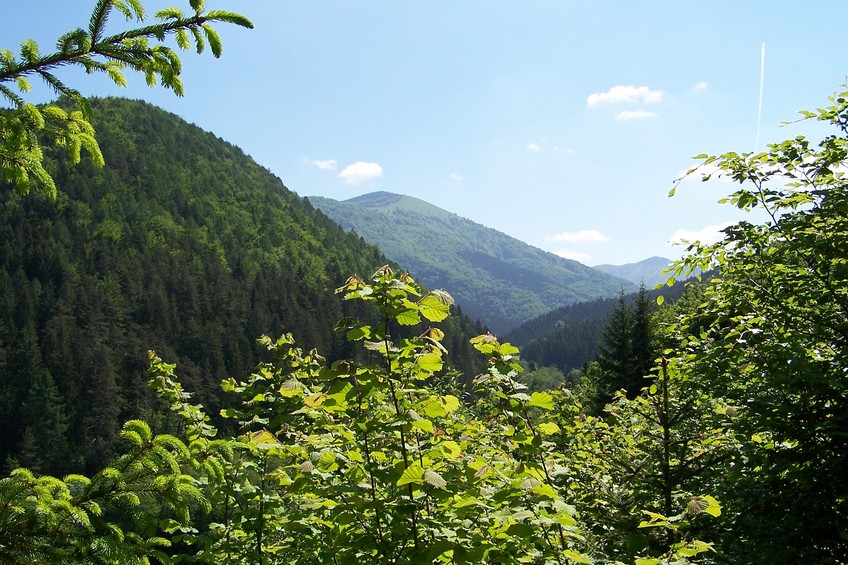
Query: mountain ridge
(495, 278)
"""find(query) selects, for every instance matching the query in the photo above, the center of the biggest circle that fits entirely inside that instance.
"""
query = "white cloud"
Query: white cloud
(707, 235)
(360, 172)
(573, 255)
(622, 93)
(700, 86)
(327, 165)
(457, 177)
(578, 236)
(533, 147)
(635, 115)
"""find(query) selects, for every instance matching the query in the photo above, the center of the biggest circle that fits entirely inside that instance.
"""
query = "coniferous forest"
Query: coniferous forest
(198, 367)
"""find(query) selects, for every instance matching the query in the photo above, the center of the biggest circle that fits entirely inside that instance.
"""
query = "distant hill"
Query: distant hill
(648, 270)
(495, 278)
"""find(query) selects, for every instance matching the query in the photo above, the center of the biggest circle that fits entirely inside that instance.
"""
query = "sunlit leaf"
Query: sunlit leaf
(413, 474)
(541, 399)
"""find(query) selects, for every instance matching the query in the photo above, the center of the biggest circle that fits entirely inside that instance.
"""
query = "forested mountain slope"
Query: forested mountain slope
(495, 278)
(181, 244)
(568, 337)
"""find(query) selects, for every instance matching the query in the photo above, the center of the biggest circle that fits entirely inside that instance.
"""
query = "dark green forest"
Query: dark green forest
(568, 338)
(181, 244)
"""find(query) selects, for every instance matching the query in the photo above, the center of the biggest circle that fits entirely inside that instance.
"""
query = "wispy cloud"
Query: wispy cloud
(326, 165)
(564, 150)
(457, 177)
(573, 255)
(707, 235)
(700, 86)
(360, 172)
(578, 236)
(635, 115)
(535, 147)
(621, 93)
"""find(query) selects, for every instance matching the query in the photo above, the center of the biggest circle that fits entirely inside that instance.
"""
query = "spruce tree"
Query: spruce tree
(615, 358)
(643, 349)
(626, 351)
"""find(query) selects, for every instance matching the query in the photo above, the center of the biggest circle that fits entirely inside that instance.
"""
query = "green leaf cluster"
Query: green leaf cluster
(382, 460)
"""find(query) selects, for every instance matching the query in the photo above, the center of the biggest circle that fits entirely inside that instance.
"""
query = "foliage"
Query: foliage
(25, 127)
(770, 336)
(382, 461)
(388, 460)
(497, 279)
(643, 473)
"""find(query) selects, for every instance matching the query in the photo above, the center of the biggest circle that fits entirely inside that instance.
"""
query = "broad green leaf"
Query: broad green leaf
(450, 402)
(436, 406)
(430, 362)
(451, 449)
(355, 456)
(541, 400)
(575, 556)
(713, 507)
(435, 479)
(362, 332)
(693, 548)
(413, 474)
(434, 308)
(546, 490)
(264, 439)
(433, 407)
(327, 462)
(290, 388)
(424, 425)
(408, 317)
(314, 400)
(548, 428)
(507, 349)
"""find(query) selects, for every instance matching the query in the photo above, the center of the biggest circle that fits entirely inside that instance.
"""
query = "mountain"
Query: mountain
(181, 244)
(648, 270)
(495, 278)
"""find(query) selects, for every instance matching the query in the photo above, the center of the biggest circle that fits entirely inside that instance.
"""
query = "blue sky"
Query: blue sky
(563, 124)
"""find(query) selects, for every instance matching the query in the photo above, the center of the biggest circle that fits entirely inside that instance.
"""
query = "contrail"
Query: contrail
(760, 106)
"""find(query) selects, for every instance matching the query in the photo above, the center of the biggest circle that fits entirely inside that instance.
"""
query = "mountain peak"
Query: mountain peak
(379, 198)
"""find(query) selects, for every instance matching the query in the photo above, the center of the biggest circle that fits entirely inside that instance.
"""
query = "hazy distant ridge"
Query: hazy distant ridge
(648, 270)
